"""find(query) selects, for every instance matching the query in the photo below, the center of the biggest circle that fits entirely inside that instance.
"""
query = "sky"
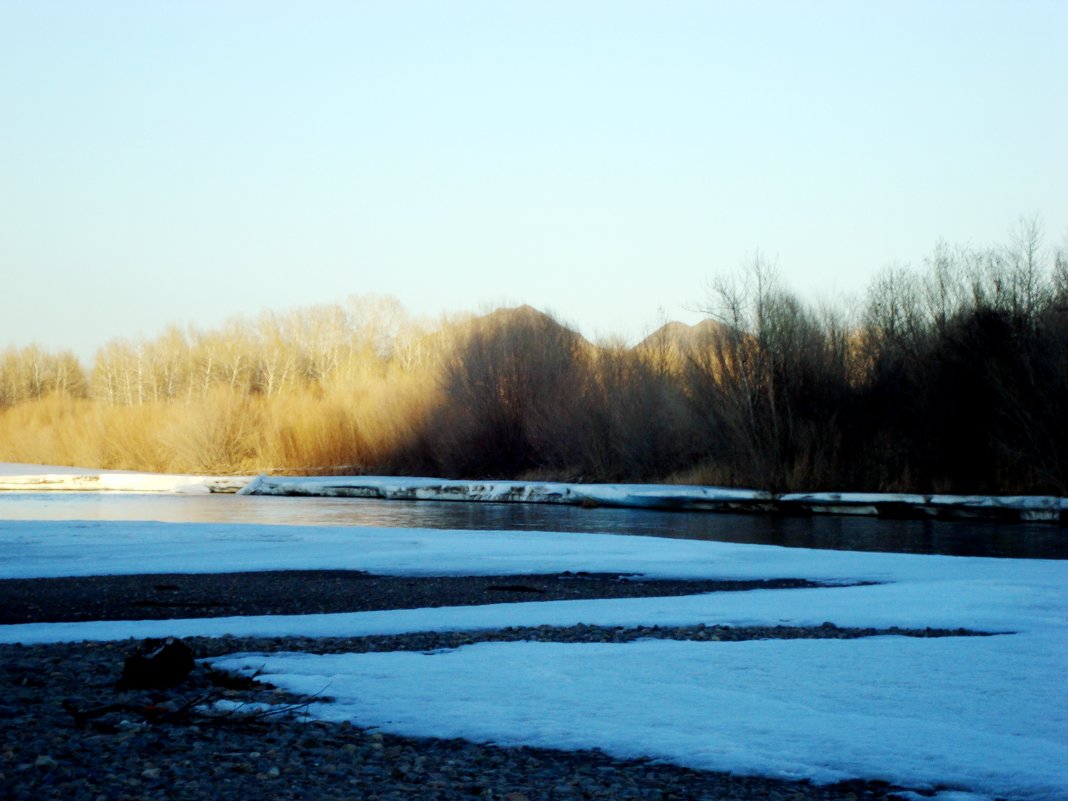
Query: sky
(187, 162)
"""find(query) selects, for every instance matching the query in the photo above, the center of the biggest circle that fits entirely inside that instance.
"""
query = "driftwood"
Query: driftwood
(200, 711)
(166, 664)
(157, 664)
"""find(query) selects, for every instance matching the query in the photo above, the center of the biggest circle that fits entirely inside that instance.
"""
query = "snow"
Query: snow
(983, 716)
(825, 710)
(663, 496)
(853, 606)
(29, 469)
(40, 478)
(15, 477)
(437, 489)
(39, 548)
(119, 482)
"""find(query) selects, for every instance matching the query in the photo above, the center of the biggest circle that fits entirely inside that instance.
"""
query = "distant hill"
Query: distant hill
(528, 317)
(525, 314)
(674, 337)
(680, 337)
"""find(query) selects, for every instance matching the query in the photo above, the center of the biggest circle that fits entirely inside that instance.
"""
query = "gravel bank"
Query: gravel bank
(301, 592)
(145, 748)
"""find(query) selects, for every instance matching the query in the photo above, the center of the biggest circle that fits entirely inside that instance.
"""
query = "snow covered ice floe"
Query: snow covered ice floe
(438, 489)
(987, 716)
(668, 496)
(41, 478)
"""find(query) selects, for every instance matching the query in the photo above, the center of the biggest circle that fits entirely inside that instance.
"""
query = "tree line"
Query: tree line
(948, 378)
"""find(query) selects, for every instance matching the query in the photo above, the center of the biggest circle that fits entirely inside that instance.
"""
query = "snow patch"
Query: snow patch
(826, 710)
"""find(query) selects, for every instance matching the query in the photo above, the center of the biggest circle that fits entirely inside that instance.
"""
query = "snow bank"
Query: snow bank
(1025, 508)
(918, 713)
(1051, 509)
(29, 469)
(669, 496)
(44, 478)
(437, 489)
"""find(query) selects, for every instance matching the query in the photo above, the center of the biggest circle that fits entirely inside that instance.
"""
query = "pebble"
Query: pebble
(116, 756)
(119, 755)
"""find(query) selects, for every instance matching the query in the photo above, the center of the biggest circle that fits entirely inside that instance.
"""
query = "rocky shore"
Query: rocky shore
(67, 732)
(302, 592)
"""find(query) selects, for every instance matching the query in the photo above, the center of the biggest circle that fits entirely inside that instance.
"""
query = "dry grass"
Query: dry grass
(359, 427)
(56, 429)
(785, 397)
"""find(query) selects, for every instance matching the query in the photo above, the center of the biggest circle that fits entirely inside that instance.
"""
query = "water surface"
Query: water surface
(961, 538)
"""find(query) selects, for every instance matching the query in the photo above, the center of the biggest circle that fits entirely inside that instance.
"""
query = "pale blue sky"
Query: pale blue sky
(188, 161)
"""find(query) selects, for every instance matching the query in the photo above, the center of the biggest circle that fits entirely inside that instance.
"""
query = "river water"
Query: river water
(960, 538)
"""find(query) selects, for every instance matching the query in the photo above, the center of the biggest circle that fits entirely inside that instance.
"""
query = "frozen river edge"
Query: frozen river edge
(1026, 508)
(1048, 509)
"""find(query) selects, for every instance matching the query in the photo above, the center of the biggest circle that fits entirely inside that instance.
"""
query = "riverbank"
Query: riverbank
(793, 682)
(140, 750)
(896, 506)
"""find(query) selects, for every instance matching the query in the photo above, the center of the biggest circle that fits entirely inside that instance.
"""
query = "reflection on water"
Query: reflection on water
(841, 533)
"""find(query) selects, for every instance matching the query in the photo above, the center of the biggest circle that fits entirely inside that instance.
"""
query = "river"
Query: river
(959, 538)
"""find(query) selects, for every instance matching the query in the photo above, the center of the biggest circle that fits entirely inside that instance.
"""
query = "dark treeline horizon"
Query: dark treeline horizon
(951, 378)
